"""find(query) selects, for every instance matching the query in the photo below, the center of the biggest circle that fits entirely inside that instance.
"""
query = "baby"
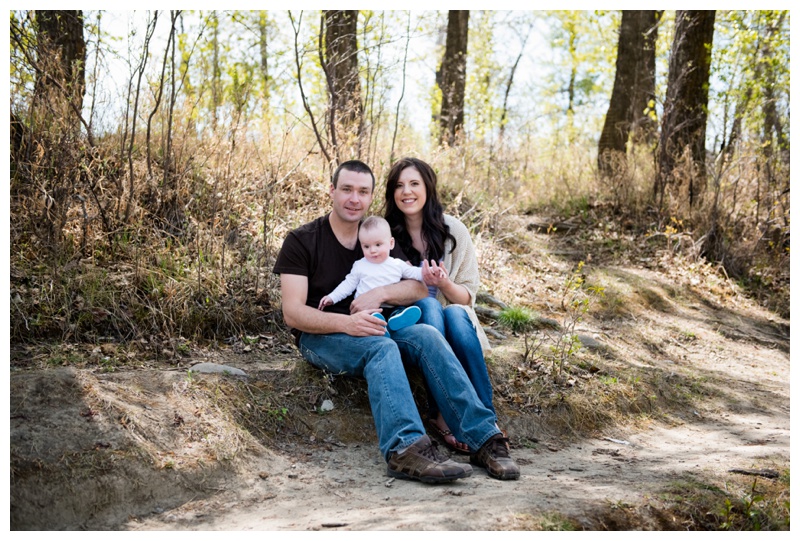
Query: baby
(376, 269)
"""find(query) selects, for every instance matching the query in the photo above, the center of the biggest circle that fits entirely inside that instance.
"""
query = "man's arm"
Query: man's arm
(294, 292)
(403, 293)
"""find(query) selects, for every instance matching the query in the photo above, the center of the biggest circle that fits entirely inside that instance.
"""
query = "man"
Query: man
(347, 339)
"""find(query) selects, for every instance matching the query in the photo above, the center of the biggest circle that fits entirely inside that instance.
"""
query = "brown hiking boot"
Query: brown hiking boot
(495, 458)
(423, 461)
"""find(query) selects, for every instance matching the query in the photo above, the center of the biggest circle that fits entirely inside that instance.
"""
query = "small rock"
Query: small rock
(590, 342)
(327, 405)
(213, 368)
(621, 442)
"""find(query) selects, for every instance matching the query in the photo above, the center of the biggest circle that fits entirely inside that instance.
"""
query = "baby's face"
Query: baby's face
(376, 244)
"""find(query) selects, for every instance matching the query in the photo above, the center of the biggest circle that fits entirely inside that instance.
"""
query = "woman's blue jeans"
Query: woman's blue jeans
(380, 360)
(454, 324)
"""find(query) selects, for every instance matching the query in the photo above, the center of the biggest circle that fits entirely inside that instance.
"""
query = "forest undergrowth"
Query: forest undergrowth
(187, 254)
(624, 280)
(190, 269)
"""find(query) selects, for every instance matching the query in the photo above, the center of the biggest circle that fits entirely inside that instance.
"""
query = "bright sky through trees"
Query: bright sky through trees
(125, 31)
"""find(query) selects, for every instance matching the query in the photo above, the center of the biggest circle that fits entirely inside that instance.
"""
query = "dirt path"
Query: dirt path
(346, 487)
(131, 449)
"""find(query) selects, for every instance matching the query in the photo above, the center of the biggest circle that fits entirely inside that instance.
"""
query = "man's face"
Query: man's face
(352, 195)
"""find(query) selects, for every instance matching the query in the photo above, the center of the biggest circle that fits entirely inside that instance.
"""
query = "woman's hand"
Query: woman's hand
(434, 274)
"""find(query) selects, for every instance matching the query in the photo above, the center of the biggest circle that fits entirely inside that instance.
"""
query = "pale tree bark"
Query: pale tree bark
(216, 72)
(773, 127)
(775, 143)
(262, 49)
(159, 93)
(453, 75)
(133, 94)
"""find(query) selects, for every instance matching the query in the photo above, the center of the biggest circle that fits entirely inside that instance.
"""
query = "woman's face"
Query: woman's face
(410, 194)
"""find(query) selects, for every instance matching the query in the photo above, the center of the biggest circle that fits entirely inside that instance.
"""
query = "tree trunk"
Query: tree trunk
(189, 90)
(453, 76)
(61, 54)
(634, 87)
(341, 62)
(644, 128)
(774, 136)
(55, 120)
(262, 49)
(216, 71)
(775, 143)
(682, 151)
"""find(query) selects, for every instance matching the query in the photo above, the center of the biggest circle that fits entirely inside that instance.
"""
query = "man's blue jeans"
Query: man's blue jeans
(454, 324)
(379, 360)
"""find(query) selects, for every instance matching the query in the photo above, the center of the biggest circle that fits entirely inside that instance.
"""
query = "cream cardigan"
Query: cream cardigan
(462, 267)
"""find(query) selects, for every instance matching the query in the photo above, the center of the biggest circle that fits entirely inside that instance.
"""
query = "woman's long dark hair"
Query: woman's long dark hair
(434, 231)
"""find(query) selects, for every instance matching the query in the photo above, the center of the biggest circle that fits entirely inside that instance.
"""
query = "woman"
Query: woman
(441, 244)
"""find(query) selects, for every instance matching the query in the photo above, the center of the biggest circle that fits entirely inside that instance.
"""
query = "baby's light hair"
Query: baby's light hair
(375, 222)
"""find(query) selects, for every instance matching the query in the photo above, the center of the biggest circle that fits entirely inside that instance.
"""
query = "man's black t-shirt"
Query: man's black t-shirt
(313, 250)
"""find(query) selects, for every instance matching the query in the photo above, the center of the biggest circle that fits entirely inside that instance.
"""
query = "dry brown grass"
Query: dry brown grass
(195, 254)
(193, 264)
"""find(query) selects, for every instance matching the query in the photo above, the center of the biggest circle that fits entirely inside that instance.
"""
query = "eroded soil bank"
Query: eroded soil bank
(158, 448)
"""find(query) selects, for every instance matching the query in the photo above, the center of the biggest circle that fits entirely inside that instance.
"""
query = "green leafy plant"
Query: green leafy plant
(279, 413)
(108, 364)
(521, 321)
(750, 500)
(250, 340)
(577, 297)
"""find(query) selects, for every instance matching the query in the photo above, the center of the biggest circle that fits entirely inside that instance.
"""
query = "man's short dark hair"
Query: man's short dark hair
(355, 166)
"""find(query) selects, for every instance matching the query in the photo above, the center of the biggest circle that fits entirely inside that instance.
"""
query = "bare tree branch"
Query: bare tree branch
(403, 89)
(306, 106)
